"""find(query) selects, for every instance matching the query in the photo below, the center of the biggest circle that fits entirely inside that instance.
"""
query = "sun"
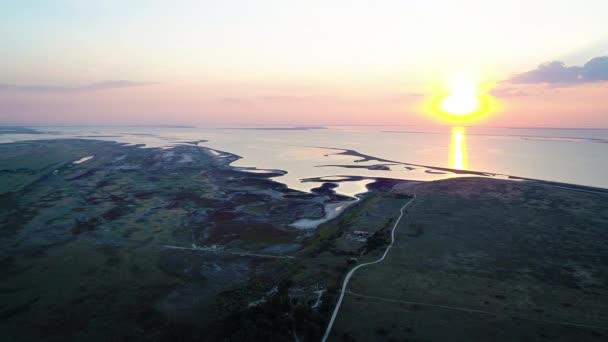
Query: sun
(461, 100)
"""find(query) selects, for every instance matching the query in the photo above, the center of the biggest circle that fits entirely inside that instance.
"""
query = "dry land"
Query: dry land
(174, 244)
(487, 260)
(104, 241)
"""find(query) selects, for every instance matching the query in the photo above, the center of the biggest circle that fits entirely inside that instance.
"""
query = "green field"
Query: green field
(485, 260)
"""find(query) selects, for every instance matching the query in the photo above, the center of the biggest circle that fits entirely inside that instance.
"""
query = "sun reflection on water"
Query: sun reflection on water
(458, 149)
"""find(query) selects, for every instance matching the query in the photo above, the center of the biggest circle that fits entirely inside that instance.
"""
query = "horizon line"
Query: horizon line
(216, 125)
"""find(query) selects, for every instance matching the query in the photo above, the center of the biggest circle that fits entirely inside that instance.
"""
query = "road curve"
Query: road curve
(350, 274)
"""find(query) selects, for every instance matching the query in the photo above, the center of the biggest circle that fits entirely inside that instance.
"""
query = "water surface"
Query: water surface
(578, 156)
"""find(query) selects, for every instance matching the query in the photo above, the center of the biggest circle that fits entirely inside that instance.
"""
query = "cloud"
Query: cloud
(508, 92)
(596, 70)
(297, 99)
(103, 85)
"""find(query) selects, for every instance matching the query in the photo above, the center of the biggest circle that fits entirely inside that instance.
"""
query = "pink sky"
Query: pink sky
(311, 62)
(199, 104)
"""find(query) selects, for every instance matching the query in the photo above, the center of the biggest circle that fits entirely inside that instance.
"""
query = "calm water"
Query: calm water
(578, 156)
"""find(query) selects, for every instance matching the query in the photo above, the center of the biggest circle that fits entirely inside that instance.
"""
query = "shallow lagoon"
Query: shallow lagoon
(304, 153)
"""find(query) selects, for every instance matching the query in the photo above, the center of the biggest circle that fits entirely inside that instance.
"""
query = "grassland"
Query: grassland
(156, 244)
(482, 259)
(174, 244)
(134, 242)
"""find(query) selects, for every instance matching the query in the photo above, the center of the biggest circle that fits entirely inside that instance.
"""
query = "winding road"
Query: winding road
(350, 274)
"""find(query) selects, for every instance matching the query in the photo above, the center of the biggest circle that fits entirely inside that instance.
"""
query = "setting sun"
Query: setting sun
(460, 100)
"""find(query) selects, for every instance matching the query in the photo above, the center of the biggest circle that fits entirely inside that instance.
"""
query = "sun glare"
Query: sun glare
(458, 150)
(461, 100)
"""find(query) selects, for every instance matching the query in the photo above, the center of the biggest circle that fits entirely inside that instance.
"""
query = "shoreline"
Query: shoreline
(365, 158)
(167, 139)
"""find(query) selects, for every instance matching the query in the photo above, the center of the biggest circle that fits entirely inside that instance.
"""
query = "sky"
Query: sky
(299, 62)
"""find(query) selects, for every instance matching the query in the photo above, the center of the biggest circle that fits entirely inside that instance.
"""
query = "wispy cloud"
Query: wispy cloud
(557, 73)
(503, 91)
(103, 85)
(288, 99)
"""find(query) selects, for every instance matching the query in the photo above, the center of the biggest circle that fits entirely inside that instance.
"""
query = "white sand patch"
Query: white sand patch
(83, 159)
